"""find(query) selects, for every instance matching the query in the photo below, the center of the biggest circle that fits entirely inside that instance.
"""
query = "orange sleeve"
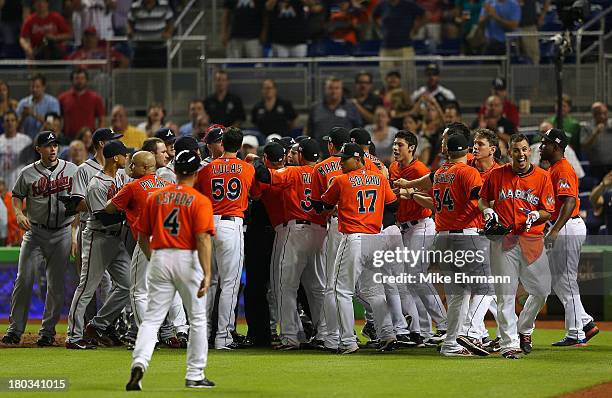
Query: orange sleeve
(124, 196)
(332, 195)
(144, 224)
(316, 187)
(564, 186)
(486, 191)
(283, 177)
(547, 197)
(203, 183)
(472, 180)
(203, 216)
(389, 194)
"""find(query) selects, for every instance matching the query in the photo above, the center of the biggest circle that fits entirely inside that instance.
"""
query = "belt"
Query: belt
(303, 222)
(229, 218)
(42, 226)
(575, 217)
(107, 232)
(407, 224)
(457, 231)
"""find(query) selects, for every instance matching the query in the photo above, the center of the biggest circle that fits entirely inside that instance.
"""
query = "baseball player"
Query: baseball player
(105, 251)
(169, 138)
(227, 181)
(174, 234)
(418, 231)
(524, 200)
(214, 143)
(361, 196)
(48, 235)
(565, 237)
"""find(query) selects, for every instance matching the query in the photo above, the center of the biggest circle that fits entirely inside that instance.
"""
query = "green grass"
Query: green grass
(546, 372)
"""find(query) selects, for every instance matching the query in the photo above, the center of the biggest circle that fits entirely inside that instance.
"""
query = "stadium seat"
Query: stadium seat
(449, 47)
(367, 48)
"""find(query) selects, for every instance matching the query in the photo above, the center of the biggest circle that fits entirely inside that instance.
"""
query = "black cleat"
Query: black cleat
(387, 345)
(417, 339)
(438, 337)
(526, 345)
(231, 346)
(369, 331)
(183, 339)
(512, 354)
(491, 345)
(472, 345)
(569, 342)
(275, 338)
(80, 345)
(98, 336)
(135, 378)
(45, 341)
(590, 330)
(287, 347)
(204, 383)
(11, 339)
(404, 340)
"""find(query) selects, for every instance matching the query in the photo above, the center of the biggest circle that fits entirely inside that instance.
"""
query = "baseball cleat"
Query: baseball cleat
(590, 330)
(404, 340)
(526, 345)
(231, 346)
(438, 337)
(387, 345)
(460, 353)
(183, 338)
(11, 338)
(80, 345)
(472, 345)
(569, 342)
(287, 347)
(275, 338)
(171, 342)
(314, 344)
(347, 351)
(369, 331)
(491, 345)
(512, 354)
(417, 339)
(204, 383)
(98, 336)
(45, 341)
(135, 379)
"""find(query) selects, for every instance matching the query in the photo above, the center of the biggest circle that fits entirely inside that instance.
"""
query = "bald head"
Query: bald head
(143, 163)
(600, 112)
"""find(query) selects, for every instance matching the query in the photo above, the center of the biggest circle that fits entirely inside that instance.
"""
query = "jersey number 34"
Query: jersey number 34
(445, 200)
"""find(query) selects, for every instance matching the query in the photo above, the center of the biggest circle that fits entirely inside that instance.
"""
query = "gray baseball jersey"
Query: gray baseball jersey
(167, 172)
(83, 176)
(121, 179)
(99, 191)
(41, 187)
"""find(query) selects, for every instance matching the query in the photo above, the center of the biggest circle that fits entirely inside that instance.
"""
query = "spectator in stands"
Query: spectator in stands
(6, 102)
(3, 221)
(466, 15)
(155, 119)
(510, 110)
(33, 108)
(333, 111)
(12, 142)
(222, 106)
(86, 136)
(316, 20)
(393, 80)
(81, 106)
(382, 134)
(95, 14)
(343, 23)
(499, 17)
(273, 114)
(120, 17)
(201, 126)
(433, 87)
(288, 29)
(196, 109)
(601, 200)
(414, 123)
(452, 113)
(569, 154)
(150, 25)
(53, 122)
(75, 153)
(596, 140)
(530, 21)
(432, 29)
(43, 33)
(54, 6)
(571, 126)
(365, 101)
(493, 119)
(10, 25)
(243, 28)
(398, 21)
(400, 106)
(13, 233)
(92, 48)
(133, 137)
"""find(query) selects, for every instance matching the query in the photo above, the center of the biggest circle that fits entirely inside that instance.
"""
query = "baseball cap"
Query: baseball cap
(166, 135)
(309, 148)
(214, 134)
(114, 148)
(274, 151)
(557, 136)
(46, 138)
(499, 83)
(432, 68)
(186, 162)
(250, 140)
(350, 150)
(273, 137)
(301, 138)
(185, 143)
(286, 143)
(457, 143)
(360, 136)
(338, 136)
(105, 134)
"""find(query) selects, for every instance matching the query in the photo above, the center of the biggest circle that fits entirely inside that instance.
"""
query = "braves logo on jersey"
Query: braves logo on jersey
(45, 187)
(112, 191)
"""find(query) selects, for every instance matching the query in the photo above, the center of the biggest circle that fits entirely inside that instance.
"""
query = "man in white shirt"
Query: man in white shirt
(11, 145)
(433, 87)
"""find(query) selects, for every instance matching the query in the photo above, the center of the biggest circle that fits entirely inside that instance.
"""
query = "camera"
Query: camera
(572, 13)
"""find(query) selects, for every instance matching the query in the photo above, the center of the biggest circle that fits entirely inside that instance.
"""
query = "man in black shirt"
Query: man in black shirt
(242, 28)
(365, 101)
(493, 119)
(223, 107)
(273, 114)
(288, 28)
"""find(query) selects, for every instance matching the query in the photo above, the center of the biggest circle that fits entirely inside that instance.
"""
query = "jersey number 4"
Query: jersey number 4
(446, 200)
(366, 200)
(220, 190)
(171, 222)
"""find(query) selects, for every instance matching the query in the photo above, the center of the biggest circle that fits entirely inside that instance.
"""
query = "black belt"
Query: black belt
(455, 231)
(405, 224)
(575, 217)
(42, 226)
(304, 222)
(107, 232)
(229, 218)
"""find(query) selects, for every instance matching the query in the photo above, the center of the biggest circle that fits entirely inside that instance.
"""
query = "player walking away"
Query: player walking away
(565, 239)
(361, 196)
(174, 234)
(105, 251)
(227, 181)
(418, 231)
(523, 199)
(48, 235)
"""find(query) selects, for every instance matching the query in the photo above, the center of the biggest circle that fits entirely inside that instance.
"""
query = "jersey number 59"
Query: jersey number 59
(220, 190)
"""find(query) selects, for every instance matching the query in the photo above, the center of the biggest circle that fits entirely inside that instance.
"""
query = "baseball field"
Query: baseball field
(412, 372)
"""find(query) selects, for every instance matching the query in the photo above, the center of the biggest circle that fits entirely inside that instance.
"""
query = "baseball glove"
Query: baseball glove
(69, 205)
(493, 230)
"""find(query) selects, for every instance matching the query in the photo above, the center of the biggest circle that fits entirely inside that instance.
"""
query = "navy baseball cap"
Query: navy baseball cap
(499, 84)
(46, 138)
(432, 69)
(114, 148)
(185, 143)
(166, 135)
(213, 134)
(309, 148)
(286, 142)
(360, 136)
(338, 136)
(274, 151)
(350, 150)
(557, 136)
(301, 138)
(186, 162)
(105, 134)
(457, 143)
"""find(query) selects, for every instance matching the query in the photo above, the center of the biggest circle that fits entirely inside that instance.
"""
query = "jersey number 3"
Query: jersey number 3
(231, 191)
(446, 200)
(171, 222)
(366, 198)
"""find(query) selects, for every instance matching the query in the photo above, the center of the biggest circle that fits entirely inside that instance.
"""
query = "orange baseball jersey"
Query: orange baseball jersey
(272, 199)
(451, 191)
(296, 184)
(325, 172)
(227, 182)
(409, 210)
(132, 198)
(483, 175)
(565, 183)
(361, 196)
(375, 161)
(516, 195)
(174, 215)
